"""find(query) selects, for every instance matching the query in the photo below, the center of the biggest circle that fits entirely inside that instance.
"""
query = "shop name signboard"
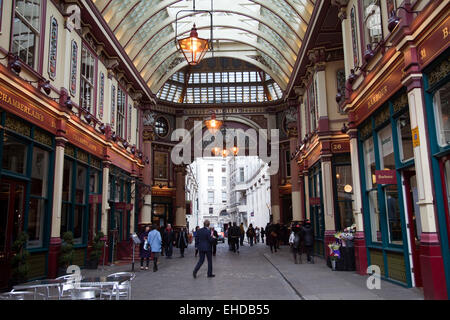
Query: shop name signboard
(26, 111)
(436, 43)
(386, 176)
(84, 142)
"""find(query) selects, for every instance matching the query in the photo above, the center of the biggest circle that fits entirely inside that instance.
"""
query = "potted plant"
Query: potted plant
(66, 257)
(19, 263)
(96, 252)
(334, 254)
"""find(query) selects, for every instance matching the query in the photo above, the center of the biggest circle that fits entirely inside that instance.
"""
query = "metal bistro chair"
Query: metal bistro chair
(22, 295)
(124, 289)
(64, 289)
(86, 293)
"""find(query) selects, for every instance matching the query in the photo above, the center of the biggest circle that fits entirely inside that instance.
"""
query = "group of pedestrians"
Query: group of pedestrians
(236, 235)
(157, 243)
(302, 239)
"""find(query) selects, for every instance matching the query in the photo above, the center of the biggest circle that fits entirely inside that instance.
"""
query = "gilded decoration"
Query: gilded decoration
(17, 126)
(43, 137)
(69, 150)
(148, 135)
(439, 72)
(96, 163)
(382, 117)
(82, 156)
(400, 103)
(366, 129)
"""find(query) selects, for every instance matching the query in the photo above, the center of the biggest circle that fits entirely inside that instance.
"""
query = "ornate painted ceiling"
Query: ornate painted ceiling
(265, 33)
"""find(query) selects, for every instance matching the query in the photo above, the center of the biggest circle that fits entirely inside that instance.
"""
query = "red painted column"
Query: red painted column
(360, 253)
(53, 257)
(432, 267)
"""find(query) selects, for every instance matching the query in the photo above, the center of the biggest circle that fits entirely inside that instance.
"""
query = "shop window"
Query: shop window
(161, 164)
(393, 214)
(442, 113)
(80, 196)
(14, 154)
(26, 31)
(405, 136)
(372, 192)
(344, 192)
(87, 80)
(94, 181)
(38, 194)
(386, 148)
(121, 113)
(372, 22)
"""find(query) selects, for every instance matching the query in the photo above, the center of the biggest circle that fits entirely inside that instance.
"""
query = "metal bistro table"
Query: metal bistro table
(89, 281)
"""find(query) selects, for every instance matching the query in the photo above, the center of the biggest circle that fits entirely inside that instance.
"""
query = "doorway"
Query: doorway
(413, 226)
(12, 201)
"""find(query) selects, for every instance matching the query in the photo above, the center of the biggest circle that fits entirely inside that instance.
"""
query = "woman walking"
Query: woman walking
(182, 241)
(144, 251)
(154, 241)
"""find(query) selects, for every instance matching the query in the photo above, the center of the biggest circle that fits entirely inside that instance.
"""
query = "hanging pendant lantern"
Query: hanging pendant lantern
(213, 124)
(193, 47)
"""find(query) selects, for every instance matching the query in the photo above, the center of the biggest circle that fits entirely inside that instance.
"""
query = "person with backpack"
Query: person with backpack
(306, 233)
(295, 242)
(154, 241)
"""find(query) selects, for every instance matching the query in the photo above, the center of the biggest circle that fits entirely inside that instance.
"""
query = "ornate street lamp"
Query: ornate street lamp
(193, 47)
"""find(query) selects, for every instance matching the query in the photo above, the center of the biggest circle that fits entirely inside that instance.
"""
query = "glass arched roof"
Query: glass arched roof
(266, 33)
(220, 80)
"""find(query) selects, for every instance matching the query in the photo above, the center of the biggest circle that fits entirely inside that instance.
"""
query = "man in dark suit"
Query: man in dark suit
(205, 241)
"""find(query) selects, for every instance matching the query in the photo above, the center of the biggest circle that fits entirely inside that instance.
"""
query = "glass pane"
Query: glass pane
(67, 180)
(14, 154)
(344, 195)
(5, 189)
(93, 181)
(369, 159)
(404, 130)
(374, 216)
(386, 148)
(372, 21)
(393, 214)
(442, 112)
(78, 223)
(36, 216)
(39, 172)
(19, 196)
(80, 184)
(65, 214)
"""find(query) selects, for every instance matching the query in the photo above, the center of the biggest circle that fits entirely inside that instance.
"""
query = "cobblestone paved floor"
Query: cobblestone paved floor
(254, 274)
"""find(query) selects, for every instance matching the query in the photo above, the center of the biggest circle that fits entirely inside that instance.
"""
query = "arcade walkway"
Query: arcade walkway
(254, 274)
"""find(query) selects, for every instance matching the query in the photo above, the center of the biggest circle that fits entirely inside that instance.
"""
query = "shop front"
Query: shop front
(392, 219)
(82, 176)
(436, 82)
(162, 211)
(27, 160)
(316, 208)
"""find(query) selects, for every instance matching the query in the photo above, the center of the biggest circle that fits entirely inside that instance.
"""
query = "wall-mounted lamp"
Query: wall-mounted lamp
(68, 104)
(344, 128)
(15, 65)
(102, 128)
(394, 20)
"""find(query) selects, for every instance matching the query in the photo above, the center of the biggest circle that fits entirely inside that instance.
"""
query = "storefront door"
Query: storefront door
(12, 200)
(414, 227)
